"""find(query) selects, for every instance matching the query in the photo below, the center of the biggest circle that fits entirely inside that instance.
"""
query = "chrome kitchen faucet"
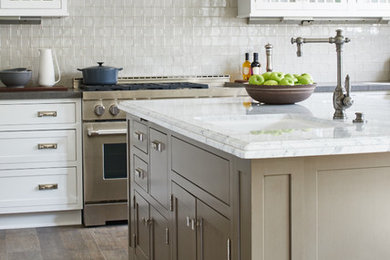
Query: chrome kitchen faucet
(341, 94)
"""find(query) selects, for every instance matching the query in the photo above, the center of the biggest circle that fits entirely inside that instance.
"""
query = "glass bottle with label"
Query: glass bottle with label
(255, 64)
(246, 68)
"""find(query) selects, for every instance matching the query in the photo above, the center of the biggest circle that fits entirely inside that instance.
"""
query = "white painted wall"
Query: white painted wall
(192, 37)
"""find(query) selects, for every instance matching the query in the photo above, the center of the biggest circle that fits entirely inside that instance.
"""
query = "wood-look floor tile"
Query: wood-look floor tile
(21, 240)
(115, 254)
(30, 255)
(64, 243)
(3, 248)
(72, 239)
(110, 238)
(51, 244)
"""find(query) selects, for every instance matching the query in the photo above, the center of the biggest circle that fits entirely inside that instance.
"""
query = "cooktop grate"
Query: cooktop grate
(143, 86)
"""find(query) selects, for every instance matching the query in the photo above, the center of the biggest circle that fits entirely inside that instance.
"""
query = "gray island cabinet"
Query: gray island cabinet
(259, 182)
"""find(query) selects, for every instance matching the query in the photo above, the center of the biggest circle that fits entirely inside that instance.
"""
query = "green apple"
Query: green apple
(307, 75)
(256, 80)
(266, 75)
(277, 76)
(296, 75)
(304, 80)
(270, 82)
(286, 81)
(291, 76)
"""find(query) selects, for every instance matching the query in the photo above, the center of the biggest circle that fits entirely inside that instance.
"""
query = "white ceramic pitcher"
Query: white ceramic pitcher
(46, 76)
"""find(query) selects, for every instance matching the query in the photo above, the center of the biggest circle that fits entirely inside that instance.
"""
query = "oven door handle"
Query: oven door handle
(101, 132)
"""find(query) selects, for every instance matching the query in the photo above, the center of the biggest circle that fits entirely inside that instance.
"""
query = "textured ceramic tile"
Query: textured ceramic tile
(186, 37)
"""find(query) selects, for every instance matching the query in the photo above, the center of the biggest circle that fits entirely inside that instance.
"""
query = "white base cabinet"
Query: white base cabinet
(33, 8)
(40, 162)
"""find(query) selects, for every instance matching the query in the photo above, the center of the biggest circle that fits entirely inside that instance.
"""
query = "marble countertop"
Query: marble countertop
(250, 130)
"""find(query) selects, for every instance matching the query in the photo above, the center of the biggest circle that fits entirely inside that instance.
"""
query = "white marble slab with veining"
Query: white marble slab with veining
(212, 121)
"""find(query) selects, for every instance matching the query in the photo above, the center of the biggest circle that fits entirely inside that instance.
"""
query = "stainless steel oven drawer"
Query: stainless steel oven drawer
(139, 136)
(140, 173)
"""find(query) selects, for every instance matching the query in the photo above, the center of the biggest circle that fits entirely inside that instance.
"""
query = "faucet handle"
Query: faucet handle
(347, 85)
(347, 100)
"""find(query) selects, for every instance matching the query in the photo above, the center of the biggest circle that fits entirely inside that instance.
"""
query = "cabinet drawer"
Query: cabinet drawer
(37, 146)
(204, 169)
(30, 190)
(33, 114)
(140, 173)
(139, 137)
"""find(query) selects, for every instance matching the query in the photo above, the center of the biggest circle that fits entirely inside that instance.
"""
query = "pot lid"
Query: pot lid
(101, 67)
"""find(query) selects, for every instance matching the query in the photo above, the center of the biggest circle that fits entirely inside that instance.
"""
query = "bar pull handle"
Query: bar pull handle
(47, 146)
(158, 146)
(140, 136)
(229, 249)
(100, 132)
(140, 173)
(201, 238)
(53, 186)
(47, 113)
(166, 236)
(188, 221)
(193, 222)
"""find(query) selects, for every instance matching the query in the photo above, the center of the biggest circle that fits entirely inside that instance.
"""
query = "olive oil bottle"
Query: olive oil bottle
(246, 68)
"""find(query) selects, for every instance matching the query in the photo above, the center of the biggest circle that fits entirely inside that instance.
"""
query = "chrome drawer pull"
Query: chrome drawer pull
(140, 173)
(48, 186)
(229, 250)
(47, 113)
(158, 146)
(47, 146)
(139, 136)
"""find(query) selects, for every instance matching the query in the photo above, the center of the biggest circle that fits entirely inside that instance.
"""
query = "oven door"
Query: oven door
(104, 154)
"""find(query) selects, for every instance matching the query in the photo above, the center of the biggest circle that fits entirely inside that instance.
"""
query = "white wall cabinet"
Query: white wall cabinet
(40, 162)
(33, 8)
(314, 9)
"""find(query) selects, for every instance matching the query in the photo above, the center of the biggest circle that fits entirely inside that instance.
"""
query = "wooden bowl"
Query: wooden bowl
(278, 95)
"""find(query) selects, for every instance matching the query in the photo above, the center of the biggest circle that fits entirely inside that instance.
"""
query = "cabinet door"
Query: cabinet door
(160, 236)
(26, 4)
(213, 234)
(159, 167)
(142, 223)
(184, 223)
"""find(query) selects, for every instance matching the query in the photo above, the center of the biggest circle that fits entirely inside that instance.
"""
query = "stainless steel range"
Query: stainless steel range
(104, 135)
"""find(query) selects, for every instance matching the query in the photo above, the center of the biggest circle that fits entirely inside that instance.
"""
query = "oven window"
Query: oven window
(114, 161)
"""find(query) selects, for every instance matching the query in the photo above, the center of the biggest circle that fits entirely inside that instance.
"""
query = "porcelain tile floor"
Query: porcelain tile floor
(64, 243)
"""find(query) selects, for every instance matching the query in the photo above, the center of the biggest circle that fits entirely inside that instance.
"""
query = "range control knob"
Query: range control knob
(99, 110)
(114, 110)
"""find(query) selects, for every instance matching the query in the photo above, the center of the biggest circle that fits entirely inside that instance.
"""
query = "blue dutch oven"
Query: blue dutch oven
(100, 75)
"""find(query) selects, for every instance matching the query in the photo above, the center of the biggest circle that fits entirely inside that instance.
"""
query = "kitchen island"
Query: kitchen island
(226, 178)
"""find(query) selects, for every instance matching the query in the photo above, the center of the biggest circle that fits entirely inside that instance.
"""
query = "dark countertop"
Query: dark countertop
(70, 93)
(329, 87)
(75, 93)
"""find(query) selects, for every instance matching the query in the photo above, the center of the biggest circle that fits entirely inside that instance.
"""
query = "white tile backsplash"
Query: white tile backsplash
(187, 37)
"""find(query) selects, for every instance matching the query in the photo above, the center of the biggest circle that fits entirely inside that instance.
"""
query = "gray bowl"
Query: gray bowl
(14, 78)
